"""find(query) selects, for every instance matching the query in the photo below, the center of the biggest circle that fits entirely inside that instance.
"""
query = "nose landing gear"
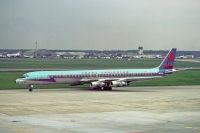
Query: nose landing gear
(30, 88)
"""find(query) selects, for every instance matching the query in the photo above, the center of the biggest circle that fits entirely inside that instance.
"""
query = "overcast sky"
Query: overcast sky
(100, 24)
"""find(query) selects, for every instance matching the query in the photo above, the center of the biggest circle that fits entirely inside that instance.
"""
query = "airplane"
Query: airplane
(99, 79)
(14, 55)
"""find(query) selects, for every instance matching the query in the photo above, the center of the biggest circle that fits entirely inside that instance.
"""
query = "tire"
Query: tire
(107, 88)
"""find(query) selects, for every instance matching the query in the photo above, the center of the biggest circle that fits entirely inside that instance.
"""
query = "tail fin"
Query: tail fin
(168, 62)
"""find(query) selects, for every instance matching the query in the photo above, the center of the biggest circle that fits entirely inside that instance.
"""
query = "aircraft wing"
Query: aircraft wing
(132, 79)
(126, 79)
(100, 80)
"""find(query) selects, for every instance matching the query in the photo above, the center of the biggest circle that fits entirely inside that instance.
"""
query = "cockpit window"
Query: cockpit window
(24, 76)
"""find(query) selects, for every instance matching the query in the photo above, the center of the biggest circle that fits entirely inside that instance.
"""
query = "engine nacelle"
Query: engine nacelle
(119, 83)
(97, 84)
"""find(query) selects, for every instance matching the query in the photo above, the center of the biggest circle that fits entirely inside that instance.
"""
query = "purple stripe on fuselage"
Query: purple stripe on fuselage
(45, 80)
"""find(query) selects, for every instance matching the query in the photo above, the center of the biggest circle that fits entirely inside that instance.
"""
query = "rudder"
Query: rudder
(168, 62)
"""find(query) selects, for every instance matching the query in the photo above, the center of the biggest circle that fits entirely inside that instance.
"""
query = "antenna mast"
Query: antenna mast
(35, 53)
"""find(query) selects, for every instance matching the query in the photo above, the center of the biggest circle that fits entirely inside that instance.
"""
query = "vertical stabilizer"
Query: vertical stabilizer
(168, 62)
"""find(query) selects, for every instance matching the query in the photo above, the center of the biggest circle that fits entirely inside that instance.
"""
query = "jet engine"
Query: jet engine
(118, 83)
(97, 84)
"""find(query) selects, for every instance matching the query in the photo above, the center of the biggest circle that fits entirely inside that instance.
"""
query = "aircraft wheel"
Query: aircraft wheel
(30, 88)
(107, 88)
(97, 88)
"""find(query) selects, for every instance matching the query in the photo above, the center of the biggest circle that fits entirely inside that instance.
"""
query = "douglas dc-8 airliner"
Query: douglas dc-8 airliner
(99, 79)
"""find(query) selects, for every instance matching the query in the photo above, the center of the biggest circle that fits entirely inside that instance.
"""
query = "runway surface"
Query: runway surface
(125, 110)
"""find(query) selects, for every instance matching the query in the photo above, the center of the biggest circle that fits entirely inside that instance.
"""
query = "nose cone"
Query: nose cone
(19, 81)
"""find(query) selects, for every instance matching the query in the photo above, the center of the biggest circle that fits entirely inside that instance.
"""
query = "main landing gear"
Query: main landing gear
(108, 88)
(30, 88)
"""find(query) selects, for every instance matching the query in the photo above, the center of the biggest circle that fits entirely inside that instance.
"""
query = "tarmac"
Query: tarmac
(168, 109)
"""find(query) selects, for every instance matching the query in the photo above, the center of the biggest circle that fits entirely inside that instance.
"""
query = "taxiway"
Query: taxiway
(123, 110)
